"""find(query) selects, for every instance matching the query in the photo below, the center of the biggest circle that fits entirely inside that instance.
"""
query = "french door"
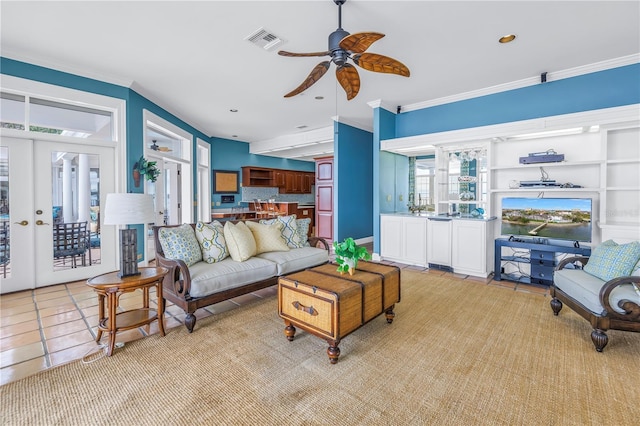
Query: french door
(167, 193)
(45, 187)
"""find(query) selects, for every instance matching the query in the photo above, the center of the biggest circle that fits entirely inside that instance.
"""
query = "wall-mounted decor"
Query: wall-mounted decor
(226, 181)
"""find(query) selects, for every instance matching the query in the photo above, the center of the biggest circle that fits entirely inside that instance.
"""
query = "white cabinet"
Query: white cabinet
(439, 242)
(404, 239)
(391, 237)
(463, 245)
(472, 247)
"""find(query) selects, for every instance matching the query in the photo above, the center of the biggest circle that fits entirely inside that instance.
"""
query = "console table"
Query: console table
(542, 258)
(109, 288)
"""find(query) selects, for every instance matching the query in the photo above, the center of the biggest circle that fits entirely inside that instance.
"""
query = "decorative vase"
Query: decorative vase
(352, 263)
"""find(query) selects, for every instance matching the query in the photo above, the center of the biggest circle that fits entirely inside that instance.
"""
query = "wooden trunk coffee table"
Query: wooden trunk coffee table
(329, 305)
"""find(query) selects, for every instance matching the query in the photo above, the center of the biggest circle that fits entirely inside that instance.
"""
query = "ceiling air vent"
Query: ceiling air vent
(264, 39)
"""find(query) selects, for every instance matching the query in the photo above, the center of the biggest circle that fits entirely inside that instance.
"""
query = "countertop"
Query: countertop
(434, 216)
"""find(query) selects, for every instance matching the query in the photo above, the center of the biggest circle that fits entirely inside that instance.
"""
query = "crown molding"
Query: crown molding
(62, 67)
(379, 103)
(531, 81)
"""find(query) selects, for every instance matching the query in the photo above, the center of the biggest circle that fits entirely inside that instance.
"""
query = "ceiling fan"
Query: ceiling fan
(343, 46)
(156, 147)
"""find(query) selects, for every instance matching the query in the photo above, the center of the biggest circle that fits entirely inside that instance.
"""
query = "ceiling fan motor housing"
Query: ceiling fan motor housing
(339, 56)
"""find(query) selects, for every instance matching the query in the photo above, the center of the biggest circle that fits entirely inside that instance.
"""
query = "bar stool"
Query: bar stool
(257, 206)
(272, 209)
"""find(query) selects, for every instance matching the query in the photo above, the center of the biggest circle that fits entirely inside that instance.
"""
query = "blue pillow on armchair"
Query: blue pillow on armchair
(611, 260)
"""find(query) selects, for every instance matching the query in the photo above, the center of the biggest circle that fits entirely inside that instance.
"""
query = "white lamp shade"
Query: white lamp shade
(128, 209)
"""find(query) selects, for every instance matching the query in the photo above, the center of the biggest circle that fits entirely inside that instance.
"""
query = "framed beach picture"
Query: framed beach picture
(226, 181)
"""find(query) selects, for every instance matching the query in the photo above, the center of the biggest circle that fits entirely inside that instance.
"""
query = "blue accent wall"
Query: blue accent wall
(353, 184)
(604, 89)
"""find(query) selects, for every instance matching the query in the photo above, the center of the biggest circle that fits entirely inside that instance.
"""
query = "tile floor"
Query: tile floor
(54, 325)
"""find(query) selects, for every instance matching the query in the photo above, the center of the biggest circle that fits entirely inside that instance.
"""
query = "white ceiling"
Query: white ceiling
(192, 57)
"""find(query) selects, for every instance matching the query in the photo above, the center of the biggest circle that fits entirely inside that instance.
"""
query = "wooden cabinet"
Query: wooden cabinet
(308, 180)
(404, 239)
(293, 182)
(287, 181)
(257, 176)
(324, 198)
(280, 178)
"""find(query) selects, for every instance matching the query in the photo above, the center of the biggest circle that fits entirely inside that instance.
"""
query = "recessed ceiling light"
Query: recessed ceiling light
(233, 110)
(507, 38)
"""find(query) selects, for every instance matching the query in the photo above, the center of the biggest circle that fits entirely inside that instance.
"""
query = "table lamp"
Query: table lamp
(128, 209)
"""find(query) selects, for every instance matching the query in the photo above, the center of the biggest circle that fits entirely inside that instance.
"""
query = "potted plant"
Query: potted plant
(347, 255)
(142, 167)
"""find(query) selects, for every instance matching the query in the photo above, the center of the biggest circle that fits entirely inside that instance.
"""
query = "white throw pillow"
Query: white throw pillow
(240, 241)
(268, 237)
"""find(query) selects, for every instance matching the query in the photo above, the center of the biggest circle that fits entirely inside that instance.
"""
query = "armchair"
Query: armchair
(612, 304)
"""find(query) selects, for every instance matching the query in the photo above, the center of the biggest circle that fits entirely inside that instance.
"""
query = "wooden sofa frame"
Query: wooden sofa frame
(612, 320)
(176, 285)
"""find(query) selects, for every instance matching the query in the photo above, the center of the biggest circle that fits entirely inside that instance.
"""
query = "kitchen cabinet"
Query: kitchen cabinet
(280, 178)
(464, 246)
(257, 176)
(403, 238)
(287, 181)
(439, 242)
(472, 247)
(293, 182)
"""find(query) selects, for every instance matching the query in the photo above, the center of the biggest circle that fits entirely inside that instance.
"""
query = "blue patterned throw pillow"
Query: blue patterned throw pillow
(212, 242)
(303, 230)
(289, 230)
(611, 260)
(180, 243)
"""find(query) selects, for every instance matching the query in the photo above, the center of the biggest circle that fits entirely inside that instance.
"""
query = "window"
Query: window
(47, 116)
(424, 193)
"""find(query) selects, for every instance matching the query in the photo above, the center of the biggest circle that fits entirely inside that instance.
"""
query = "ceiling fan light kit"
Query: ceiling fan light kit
(344, 46)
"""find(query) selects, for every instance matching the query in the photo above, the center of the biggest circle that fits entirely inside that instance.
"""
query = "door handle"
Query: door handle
(23, 223)
(39, 222)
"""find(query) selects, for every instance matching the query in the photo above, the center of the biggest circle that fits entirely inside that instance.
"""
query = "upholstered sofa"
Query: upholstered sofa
(604, 289)
(229, 264)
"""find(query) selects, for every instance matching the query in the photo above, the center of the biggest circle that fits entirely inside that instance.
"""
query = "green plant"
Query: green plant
(147, 168)
(347, 255)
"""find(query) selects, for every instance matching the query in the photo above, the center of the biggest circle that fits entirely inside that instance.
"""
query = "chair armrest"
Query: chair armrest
(577, 261)
(178, 279)
(631, 307)
(314, 241)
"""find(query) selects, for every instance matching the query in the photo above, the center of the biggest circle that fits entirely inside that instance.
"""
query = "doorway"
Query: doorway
(50, 199)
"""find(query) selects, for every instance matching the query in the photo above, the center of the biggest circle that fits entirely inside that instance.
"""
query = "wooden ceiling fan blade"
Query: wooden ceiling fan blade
(349, 79)
(316, 73)
(380, 63)
(359, 42)
(285, 53)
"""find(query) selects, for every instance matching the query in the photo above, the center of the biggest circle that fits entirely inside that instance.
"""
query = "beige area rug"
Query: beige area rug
(458, 353)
